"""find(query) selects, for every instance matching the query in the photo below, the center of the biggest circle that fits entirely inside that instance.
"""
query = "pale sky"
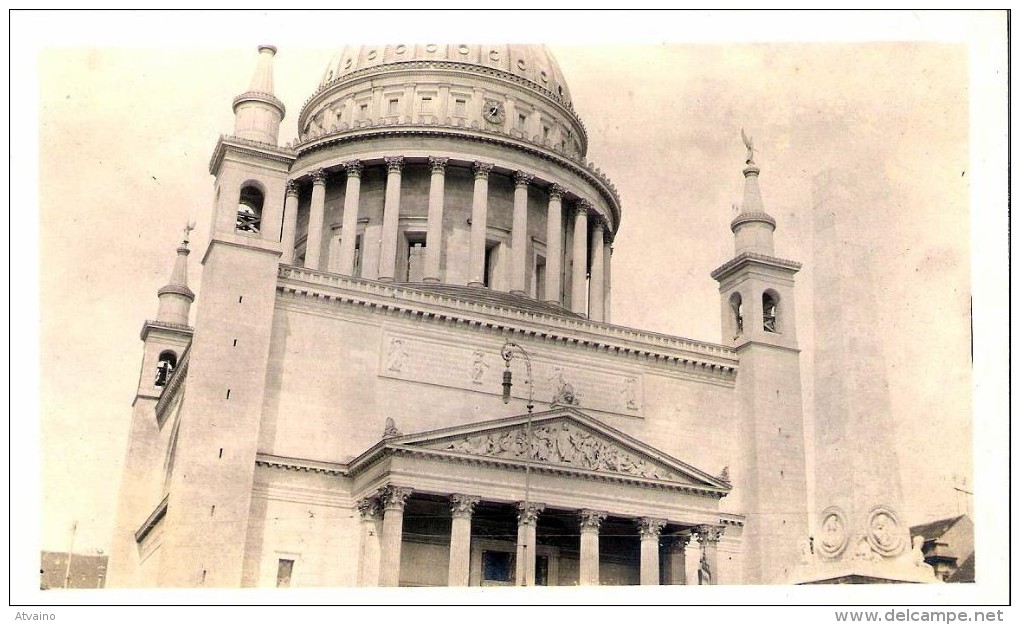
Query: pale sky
(126, 132)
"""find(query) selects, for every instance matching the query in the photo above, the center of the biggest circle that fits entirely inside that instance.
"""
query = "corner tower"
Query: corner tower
(758, 320)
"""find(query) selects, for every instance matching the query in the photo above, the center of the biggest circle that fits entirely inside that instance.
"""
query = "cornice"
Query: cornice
(298, 464)
(686, 355)
(759, 216)
(155, 324)
(746, 258)
(260, 96)
(249, 147)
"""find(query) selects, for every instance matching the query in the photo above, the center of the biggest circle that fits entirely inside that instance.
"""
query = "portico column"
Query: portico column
(676, 559)
(349, 224)
(519, 240)
(290, 209)
(607, 254)
(596, 295)
(579, 287)
(393, 499)
(434, 238)
(589, 566)
(313, 244)
(391, 220)
(371, 516)
(708, 566)
(649, 529)
(554, 245)
(527, 521)
(460, 539)
(479, 214)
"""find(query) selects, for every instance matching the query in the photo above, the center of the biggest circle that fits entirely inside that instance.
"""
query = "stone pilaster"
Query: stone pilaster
(579, 285)
(371, 530)
(596, 292)
(290, 209)
(589, 521)
(393, 499)
(463, 507)
(434, 238)
(313, 244)
(649, 529)
(708, 565)
(527, 523)
(352, 205)
(554, 246)
(519, 241)
(479, 216)
(391, 220)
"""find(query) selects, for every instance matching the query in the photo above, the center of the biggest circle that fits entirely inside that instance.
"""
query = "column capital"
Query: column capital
(368, 508)
(522, 178)
(318, 176)
(591, 519)
(581, 208)
(649, 527)
(599, 223)
(353, 168)
(556, 192)
(482, 169)
(527, 514)
(438, 164)
(394, 164)
(607, 238)
(292, 187)
(709, 534)
(677, 542)
(394, 497)
(463, 506)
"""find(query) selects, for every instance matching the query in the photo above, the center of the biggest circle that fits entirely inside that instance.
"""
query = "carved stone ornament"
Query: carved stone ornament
(319, 176)
(394, 497)
(482, 169)
(527, 513)
(397, 356)
(628, 395)
(463, 506)
(650, 528)
(581, 208)
(884, 532)
(353, 169)
(368, 508)
(522, 178)
(565, 394)
(438, 164)
(394, 164)
(678, 542)
(478, 368)
(292, 187)
(708, 534)
(591, 519)
(556, 192)
(564, 444)
(390, 428)
(834, 536)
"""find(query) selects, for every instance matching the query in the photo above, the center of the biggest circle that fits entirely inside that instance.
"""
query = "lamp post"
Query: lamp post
(508, 353)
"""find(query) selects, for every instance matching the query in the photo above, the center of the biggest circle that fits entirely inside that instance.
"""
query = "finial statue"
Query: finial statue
(188, 227)
(749, 144)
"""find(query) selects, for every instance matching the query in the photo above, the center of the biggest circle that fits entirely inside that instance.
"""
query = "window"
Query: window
(522, 121)
(540, 278)
(394, 107)
(491, 258)
(737, 310)
(165, 366)
(460, 107)
(545, 133)
(426, 105)
(415, 269)
(249, 211)
(284, 571)
(498, 567)
(357, 257)
(769, 312)
(363, 111)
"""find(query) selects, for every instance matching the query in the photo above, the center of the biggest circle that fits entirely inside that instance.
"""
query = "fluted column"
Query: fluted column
(590, 520)
(527, 522)
(391, 220)
(313, 244)
(434, 238)
(554, 246)
(371, 518)
(290, 208)
(479, 215)
(519, 240)
(352, 204)
(393, 499)
(649, 530)
(708, 565)
(460, 539)
(597, 295)
(676, 559)
(607, 254)
(579, 287)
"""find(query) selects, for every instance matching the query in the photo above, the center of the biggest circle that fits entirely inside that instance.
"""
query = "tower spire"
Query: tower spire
(752, 227)
(175, 297)
(258, 112)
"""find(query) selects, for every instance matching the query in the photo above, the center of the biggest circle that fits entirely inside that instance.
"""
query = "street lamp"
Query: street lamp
(508, 353)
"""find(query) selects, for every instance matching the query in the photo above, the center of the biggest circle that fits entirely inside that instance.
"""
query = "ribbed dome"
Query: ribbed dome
(532, 62)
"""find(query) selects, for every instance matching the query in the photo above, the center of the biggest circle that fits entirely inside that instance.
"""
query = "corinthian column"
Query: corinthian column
(607, 254)
(479, 214)
(460, 539)
(313, 244)
(371, 516)
(596, 286)
(708, 566)
(519, 241)
(393, 499)
(391, 220)
(676, 560)
(590, 520)
(289, 223)
(434, 238)
(349, 230)
(527, 522)
(649, 530)
(554, 245)
(578, 286)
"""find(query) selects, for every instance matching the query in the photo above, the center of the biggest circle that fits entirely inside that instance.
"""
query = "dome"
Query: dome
(533, 63)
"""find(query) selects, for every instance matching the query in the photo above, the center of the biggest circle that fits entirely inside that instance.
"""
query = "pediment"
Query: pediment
(565, 439)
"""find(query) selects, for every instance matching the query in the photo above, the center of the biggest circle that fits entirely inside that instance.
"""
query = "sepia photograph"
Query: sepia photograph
(384, 307)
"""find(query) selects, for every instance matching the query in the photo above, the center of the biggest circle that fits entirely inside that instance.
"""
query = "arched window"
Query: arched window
(165, 366)
(249, 211)
(737, 309)
(770, 312)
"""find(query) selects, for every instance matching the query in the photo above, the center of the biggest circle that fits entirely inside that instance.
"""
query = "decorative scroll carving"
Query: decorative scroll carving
(438, 164)
(834, 537)
(369, 508)
(522, 178)
(527, 513)
(650, 528)
(463, 506)
(394, 164)
(353, 169)
(394, 497)
(319, 176)
(709, 534)
(482, 169)
(591, 519)
(292, 188)
(884, 533)
(555, 192)
(560, 443)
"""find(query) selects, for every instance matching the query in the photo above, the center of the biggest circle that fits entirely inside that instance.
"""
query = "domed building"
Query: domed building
(402, 369)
